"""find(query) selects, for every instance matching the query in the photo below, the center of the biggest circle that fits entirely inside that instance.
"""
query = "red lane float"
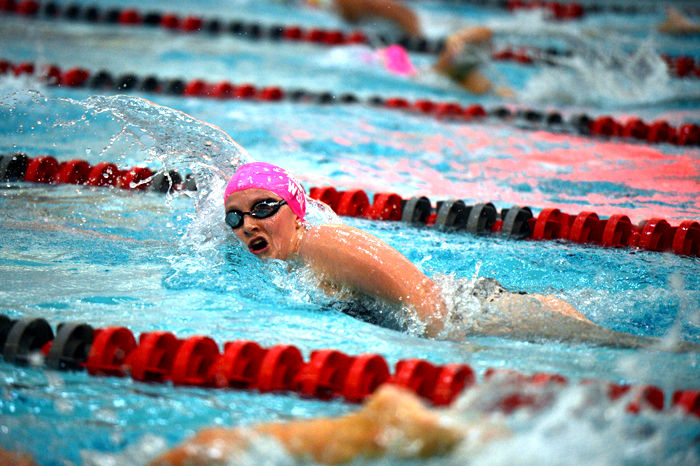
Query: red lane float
(135, 178)
(688, 401)
(643, 397)
(686, 241)
(109, 350)
(353, 203)
(324, 376)
(42, 170)
(103, 174)
(196, 361)
(222, 90)
(417, 375)
(75, 77)
(451, 380)
(385, 206)
(551, 224)
(73, 172)
(194, 357)
(238, 366)
(279, 368)
(656, 235)
(153, 358)
(365, 374)
(617, 232)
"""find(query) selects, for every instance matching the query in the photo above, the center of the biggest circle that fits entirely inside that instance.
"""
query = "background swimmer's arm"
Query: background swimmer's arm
(354, 258)
(356, 10)
(392, 419)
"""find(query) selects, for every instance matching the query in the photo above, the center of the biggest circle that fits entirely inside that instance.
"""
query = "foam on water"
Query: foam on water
(606, 69)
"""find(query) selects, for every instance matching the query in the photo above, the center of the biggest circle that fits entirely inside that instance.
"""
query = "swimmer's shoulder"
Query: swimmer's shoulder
(343, 247)
(329, 237)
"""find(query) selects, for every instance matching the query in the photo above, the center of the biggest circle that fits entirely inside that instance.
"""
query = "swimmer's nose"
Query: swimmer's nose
(250, 225)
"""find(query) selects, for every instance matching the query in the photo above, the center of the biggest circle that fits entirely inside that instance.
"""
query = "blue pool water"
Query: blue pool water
(152, 262)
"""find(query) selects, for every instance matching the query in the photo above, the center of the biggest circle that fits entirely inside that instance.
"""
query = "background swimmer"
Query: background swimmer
(391, 420)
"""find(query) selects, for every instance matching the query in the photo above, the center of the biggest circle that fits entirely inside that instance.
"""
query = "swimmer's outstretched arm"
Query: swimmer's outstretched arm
(391, 10)
(350, 257)
(392, 419)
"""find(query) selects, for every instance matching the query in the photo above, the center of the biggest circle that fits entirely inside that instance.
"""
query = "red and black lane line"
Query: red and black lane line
(452, 215)
(161, 357)
(604, 126)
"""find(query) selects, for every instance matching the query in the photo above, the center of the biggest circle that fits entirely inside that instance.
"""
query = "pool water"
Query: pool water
(148, 261)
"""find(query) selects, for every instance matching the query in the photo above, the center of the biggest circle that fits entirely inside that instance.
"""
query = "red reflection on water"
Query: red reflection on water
(539, 169)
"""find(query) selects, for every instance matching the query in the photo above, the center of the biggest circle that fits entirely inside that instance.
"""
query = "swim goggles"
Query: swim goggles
(261, 209)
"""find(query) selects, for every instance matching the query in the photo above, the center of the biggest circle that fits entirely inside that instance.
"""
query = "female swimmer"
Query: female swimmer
(265, 207)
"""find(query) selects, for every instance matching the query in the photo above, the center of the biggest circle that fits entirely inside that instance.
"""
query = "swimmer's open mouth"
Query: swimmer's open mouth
(258, 245)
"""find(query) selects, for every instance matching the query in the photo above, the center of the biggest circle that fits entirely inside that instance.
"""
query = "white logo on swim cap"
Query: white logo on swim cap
(292, 188)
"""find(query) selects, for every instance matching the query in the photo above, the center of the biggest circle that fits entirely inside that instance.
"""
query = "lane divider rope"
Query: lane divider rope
(161, 357)
(452, 215)
(604, 126)
(681, 66)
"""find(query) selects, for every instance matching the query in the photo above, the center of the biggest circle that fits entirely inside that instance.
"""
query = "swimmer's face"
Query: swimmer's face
(274, 237)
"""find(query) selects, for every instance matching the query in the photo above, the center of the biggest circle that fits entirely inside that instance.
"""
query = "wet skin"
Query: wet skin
(342, 256)
(346, 257)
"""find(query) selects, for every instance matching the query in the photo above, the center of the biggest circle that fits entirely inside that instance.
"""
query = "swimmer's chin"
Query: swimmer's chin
(267, 253)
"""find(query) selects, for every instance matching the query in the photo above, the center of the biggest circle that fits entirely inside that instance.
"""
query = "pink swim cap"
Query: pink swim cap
(272, 178)
(396, 60)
